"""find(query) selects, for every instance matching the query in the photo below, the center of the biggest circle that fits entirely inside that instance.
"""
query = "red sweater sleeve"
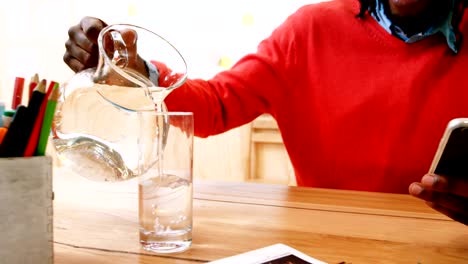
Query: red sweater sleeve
(237, 96)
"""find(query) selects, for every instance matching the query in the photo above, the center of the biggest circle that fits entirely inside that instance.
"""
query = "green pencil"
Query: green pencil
(47, 121)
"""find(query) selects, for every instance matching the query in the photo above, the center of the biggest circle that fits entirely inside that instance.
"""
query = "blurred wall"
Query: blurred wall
(206, 32)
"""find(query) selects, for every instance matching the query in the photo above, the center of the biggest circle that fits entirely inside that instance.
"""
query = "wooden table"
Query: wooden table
(98, 223)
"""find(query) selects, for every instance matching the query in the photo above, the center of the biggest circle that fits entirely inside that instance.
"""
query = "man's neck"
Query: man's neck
(415, 22)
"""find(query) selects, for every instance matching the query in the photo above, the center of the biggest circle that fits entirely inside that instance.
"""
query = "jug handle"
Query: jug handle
(120, 56)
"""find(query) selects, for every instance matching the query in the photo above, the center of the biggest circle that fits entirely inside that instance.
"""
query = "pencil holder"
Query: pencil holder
(26, 210)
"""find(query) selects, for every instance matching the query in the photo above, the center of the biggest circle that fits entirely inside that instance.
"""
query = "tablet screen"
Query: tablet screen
(454, 159)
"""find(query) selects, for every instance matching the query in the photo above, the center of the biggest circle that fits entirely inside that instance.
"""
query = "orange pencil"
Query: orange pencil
(3, 131)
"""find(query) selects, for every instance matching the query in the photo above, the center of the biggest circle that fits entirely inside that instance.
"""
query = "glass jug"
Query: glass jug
(98, 130)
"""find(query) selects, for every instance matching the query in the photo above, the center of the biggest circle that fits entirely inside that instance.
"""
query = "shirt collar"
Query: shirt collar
(444, 26)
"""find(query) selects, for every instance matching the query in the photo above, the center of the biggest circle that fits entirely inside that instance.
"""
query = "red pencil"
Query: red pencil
(18, 92)
(34, 138)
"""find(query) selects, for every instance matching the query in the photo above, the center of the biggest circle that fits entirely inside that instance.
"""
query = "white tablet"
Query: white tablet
(275, 254)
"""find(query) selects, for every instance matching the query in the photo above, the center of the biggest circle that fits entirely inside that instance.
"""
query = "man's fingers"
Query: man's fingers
(78, 37)
(129, 36)
(455, 215)
(449, 201)
(81, 47)
(120, 45)
(78, 52)
(452, 202)
(73, 63)
(440, 183)
(74, 51)
(91, 27)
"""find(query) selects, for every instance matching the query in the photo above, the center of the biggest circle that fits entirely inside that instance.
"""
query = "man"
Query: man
(361, 90)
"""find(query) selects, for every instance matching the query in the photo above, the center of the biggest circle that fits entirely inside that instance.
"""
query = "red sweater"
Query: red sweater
(357, 108)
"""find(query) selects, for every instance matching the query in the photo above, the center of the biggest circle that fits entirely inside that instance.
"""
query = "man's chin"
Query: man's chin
(405, 8)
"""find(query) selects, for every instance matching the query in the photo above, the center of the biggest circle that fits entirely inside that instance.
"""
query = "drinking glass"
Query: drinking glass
(165, 184)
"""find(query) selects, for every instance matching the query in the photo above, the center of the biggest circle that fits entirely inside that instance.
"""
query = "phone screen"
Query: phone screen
(454, 159)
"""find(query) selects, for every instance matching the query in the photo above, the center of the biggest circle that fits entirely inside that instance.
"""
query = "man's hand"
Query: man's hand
(82, 50)
(81, 47)
(447, 195)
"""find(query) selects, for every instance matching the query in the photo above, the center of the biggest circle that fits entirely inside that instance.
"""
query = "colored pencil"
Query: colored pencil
(18, 92)
(15, 135)
(37, 97)
(27, 124)
(47, 122)
(3, 131)
(2, 109)
(34, 136)
(32, 84)
(8, 117)
(32, 114)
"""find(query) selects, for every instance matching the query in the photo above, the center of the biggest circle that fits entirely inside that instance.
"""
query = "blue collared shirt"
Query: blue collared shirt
(444, 27)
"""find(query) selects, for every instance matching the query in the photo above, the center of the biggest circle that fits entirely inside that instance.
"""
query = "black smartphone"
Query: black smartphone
(451, 158)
